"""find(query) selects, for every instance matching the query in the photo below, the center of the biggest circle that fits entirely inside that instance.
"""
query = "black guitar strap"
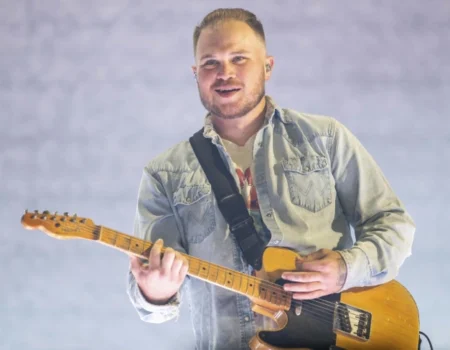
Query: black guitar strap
(229, 200)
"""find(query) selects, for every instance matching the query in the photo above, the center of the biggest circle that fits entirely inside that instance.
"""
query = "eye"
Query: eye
(209, 64)
(239, 59)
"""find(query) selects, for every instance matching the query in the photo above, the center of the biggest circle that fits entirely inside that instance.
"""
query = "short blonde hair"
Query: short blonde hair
(237, 14)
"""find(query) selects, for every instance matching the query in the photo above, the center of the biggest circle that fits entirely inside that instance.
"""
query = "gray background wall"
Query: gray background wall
(91, 90)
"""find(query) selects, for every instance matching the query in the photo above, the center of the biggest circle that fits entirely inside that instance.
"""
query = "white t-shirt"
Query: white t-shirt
(242, 157)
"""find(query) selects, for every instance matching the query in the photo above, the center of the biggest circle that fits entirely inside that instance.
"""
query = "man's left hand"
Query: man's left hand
(318, 274)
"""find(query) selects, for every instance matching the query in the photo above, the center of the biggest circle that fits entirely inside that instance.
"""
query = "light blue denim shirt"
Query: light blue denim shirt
(314, 180)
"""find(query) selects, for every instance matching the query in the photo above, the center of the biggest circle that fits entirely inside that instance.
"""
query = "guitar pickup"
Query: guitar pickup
(352, 321)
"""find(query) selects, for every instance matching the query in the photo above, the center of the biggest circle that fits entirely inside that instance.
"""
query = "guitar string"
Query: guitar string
(321, 304)
(382, 333)
(268, 285)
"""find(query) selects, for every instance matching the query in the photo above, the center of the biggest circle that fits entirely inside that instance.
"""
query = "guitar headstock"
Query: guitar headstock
(60, 226)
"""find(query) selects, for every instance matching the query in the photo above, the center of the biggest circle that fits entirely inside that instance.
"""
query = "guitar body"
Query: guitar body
(380, 317)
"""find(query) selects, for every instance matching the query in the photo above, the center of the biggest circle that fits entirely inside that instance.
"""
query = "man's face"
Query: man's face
(230, 66)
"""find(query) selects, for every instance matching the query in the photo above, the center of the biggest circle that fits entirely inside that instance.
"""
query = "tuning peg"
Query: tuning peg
(46, 212)
(74, 218)
(83, 221)
(56, 213)
(36, 211)
(66, 213)
(26, 211)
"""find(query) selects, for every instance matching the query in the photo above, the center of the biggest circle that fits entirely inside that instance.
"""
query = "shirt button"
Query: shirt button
(277, 241)
(259, 144)
(246, 318)
(269, 215)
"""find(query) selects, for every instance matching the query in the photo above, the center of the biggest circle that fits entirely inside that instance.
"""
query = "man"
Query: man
(305, 179)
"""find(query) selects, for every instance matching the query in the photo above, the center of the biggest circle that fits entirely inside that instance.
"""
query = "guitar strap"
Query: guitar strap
(229, 200)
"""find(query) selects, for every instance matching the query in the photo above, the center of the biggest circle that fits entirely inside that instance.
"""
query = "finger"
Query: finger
(183, 271)
(154, 258)
(303, 287)
(135, 264)
(320, 254)
(316, 265)
(302, 276)
(309, 295)
(167, 260)
(177, 264)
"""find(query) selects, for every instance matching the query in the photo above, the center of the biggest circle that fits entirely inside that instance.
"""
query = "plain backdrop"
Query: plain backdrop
(90, 91)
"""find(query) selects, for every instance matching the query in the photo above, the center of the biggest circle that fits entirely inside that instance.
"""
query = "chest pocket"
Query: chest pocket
(196, 211)
(308, 179)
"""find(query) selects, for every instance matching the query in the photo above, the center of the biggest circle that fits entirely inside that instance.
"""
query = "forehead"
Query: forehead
(228, 36)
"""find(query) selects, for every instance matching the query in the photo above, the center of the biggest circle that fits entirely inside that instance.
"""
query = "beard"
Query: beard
(238, 108)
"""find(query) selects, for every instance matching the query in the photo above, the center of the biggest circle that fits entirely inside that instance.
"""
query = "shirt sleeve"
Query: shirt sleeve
(384, 231)
(154, 219)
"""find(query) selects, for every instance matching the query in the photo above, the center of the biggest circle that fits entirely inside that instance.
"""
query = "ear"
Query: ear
(268, 67)
(194, 71)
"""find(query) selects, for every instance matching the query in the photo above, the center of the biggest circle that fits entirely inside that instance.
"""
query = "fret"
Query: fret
(243, 288)
(250, 286)
(213, 273)
(110, 237)
(194, 267)
(114, 238)
(203, 270)
(104, 235)
(136, 246)
(123, 242)
(263, 292)
(255, 288)
(106, 238)
(273, 296)
(221, 276)
(229, 279)
(236, 281)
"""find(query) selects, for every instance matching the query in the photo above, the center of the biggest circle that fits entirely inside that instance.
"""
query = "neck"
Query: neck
(239, 130)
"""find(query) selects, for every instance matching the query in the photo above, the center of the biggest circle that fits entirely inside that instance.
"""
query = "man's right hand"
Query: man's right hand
(162, 277)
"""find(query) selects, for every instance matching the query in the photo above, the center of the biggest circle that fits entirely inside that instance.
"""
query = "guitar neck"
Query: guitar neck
(258, 290)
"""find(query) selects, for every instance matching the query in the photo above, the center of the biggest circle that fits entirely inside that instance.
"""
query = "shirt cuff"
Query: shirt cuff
(358, 268)
(169, 308)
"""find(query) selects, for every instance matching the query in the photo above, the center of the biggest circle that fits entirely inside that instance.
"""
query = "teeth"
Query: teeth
(228, 90)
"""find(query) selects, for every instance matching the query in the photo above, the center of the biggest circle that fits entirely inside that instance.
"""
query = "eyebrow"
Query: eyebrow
(240, 52)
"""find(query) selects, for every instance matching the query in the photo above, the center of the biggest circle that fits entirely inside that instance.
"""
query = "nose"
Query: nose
(226, 71)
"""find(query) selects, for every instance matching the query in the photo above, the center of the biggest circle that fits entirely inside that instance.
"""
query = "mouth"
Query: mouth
(227, 91)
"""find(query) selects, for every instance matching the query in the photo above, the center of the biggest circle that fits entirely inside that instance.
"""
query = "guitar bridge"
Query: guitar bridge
(352, 321)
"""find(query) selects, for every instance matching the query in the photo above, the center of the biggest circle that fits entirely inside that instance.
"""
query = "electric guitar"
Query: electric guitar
(378, 318)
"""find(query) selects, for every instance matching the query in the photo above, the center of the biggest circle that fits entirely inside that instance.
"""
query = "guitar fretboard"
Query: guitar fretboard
(255, 288)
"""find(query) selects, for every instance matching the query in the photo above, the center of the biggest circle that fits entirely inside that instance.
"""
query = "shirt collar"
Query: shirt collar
(272, 111)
